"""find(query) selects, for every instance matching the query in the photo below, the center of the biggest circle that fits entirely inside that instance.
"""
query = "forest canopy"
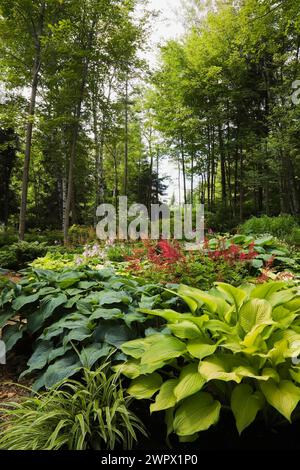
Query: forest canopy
(84, 118)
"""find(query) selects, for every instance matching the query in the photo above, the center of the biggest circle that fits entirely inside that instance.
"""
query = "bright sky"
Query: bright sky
(167, 26)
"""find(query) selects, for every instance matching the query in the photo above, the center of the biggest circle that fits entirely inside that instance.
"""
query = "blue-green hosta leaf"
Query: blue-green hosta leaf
(113, 334)
(283, 396)
(196, 413)
(106, 314)
(111, 298)
(232, 294)
(185, 330)
(23, 300)
(85, 285)
(78, 334)
(201, 347)
(189, 383)
(62, 369)
(149, 302)
(91, 354)
(164, 349)
(11, 335)
(68, 279)
(165, 398)
(145, 386)
(48, 306)
(6, 316)
(39, 358)
(245, 404)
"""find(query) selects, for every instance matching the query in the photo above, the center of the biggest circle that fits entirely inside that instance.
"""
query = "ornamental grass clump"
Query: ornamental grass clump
(75, 415)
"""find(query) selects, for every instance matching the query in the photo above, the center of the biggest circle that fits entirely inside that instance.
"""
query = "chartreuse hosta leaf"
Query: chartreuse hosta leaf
(190, 381)
(196, 413)
(254, 316)
(227, 368)
(173, 317)
(264, 291)
(201, 347)
(137, 347)
(245, 404)
(163, 349)
(284, 396)
(232, 294)
(145, 386)
(166, 398)
(185, 330)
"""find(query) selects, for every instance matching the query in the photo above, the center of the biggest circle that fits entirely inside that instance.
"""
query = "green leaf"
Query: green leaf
(166, 398)
(106, 314)
(185, 330)
(254, 313)
(197, 413)
(200, 297)
(201, 348)
(68, 279)
(91, 354)
(11, 335)
(137, 347)
(145, 386)
(245, 404)
(39, 358)
(165, 348)
(48, 306)
(190, 382)
(61, 369)
(131, 369)
(264, 291)
(6, 316)
(232, 294)
(225, 367)
(22, 300)
(283, 396)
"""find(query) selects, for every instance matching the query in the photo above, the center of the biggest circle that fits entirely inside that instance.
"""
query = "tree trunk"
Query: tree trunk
(125, 184)
(29, 129)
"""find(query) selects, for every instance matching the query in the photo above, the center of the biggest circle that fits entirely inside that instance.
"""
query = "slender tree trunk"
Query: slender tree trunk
(116, 177)
(192, 178)
(29, 129)
(223, 167)
(125, 184)
(183, 169)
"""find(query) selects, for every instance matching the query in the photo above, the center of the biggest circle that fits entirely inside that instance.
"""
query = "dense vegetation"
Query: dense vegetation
(143, 343)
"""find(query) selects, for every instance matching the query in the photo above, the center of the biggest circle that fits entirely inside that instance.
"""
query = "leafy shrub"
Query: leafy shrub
(81, 235)
(90, 414)
(259, 252)
(51, 313)
(280, 226)
(19, 255)
(235, 348)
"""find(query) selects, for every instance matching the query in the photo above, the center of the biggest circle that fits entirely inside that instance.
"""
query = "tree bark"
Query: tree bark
(29, 129)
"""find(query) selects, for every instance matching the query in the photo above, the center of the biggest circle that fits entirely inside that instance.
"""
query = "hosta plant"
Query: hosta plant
(71, 319)
(234, 347)
(91, 414)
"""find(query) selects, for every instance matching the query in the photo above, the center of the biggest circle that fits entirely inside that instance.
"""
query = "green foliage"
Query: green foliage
(281, 227)
(74, 316)
(235, 348)
(19, 255)
(90, 414)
